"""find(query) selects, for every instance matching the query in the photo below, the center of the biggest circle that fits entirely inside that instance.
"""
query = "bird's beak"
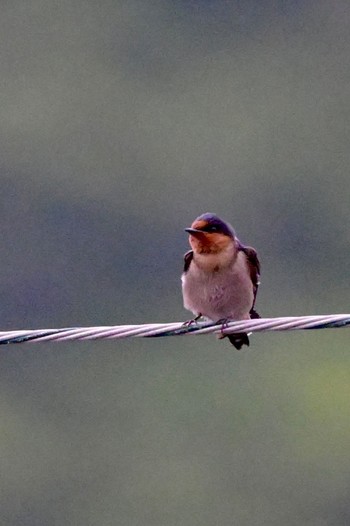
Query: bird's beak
(194, 232)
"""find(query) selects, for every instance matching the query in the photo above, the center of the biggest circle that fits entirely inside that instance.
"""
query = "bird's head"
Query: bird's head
(210, 235)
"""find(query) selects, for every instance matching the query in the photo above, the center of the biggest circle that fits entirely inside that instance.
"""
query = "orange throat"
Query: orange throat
(209, 243)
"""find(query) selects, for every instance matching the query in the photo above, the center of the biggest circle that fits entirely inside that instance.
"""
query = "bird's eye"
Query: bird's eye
(213, 229)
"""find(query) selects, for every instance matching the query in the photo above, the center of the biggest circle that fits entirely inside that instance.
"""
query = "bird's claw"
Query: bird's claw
(224, 324)
(188, 323)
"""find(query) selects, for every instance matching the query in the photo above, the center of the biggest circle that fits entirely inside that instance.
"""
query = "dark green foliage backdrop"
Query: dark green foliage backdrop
(120, 123)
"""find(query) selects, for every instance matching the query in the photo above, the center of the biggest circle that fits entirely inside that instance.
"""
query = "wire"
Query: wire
(331, 321)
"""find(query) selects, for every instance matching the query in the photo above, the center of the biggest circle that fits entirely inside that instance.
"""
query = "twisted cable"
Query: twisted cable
(149, 330)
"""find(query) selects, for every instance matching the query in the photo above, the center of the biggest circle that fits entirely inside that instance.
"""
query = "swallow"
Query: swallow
(220, 279)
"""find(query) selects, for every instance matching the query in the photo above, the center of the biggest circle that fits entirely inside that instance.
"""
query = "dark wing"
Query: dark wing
(254, 269)
(188, 258)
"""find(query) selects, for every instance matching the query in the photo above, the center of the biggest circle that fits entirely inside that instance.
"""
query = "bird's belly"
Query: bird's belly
(218, 295)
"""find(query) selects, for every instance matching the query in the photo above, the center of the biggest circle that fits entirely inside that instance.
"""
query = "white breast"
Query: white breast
(218, 291)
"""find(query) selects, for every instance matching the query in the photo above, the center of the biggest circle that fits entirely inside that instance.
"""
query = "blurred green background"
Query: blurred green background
(121, 121)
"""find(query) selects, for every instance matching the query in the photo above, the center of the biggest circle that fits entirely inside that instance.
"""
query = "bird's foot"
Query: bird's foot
(238, 339)
(224, 324)
(188, 323)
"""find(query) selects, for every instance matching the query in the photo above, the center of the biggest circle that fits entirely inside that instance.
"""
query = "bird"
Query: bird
(221, 276)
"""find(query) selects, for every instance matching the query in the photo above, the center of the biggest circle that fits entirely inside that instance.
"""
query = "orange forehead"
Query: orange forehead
(199, 224)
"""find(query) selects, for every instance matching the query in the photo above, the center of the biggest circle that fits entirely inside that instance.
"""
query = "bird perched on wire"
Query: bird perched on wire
(221, 275)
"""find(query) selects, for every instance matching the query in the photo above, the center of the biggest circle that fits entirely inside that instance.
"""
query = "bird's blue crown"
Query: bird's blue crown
(213, 223)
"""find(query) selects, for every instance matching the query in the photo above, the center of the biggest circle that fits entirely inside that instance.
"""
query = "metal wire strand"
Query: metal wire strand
(330, 321)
